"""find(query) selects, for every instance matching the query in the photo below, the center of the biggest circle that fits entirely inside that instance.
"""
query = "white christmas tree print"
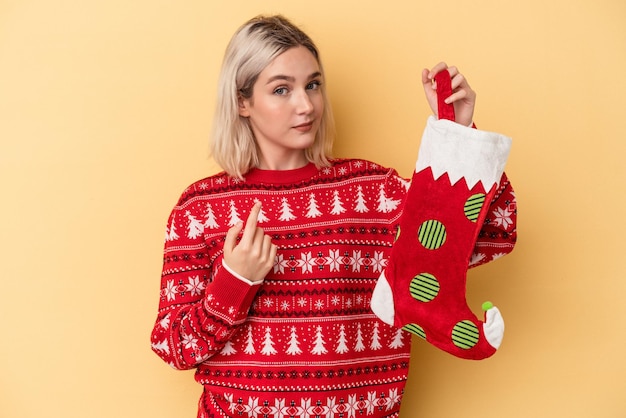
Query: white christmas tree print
(337, 204)
(319, 342)
(195, 228)
(360, 207)
(209, 219)
(268, 344)
(386, 204)
(249, 342)
(359, 346)
(405, 183)
(397, 342)
(476, 258)
(165, 322)
(285, 211)
(294, 345)
(170, 233)
(342, 346)
(312, 208)
(233, 217)
(228, 349)
(162, 346)
(262, 216)
(375, 345)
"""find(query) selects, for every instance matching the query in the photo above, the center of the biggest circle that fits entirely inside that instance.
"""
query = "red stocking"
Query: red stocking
(424, 285)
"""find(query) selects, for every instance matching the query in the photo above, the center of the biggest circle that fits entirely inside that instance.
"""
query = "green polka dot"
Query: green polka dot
(465, 334)
(431, 234)
(424, 287)
(473, 205)
(415, 329)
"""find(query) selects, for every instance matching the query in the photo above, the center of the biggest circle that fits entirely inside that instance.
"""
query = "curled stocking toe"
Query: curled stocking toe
(493, 327)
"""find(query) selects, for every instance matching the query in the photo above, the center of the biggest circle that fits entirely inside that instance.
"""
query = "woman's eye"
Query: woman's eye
(281, 91)
(314, 85)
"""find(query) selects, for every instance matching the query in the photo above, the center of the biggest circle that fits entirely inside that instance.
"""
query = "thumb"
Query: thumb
(426, 80)
(231, 238)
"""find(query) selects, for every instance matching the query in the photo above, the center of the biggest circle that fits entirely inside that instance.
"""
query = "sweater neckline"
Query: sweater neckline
(257, 175)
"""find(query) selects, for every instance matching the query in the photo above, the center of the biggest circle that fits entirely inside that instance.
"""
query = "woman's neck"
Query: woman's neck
(292, 162)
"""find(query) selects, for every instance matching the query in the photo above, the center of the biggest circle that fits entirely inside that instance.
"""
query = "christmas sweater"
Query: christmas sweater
(304, 342)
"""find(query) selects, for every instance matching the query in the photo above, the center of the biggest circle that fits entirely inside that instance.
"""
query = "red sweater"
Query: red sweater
(304, 343)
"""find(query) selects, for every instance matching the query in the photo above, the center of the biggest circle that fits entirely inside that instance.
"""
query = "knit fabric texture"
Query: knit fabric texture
(304, 342)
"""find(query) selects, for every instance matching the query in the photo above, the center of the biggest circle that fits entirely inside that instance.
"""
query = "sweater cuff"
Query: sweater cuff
(239, 276)
(229, 297)
(472, 154)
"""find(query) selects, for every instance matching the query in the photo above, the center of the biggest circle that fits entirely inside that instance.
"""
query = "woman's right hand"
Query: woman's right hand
(253, 256)
(463, 97)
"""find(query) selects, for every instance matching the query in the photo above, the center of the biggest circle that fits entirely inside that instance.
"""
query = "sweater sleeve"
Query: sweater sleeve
(498, 234)
(201, 302)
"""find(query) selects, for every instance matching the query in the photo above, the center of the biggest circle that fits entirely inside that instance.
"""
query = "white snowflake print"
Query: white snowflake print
(502, 217)
(308, 262)
(319, 304)
(203, 186)
(393, 398)
(279, 264)
(358, 164)
(170, 290)
(353, 403)
(357, 261)
(195, 286)
(268, 303)
(220, 180)
(334, 260)
(335, 300)
(326, 171)
(190, 341)
(342, 170)
(302, 302)
(378, 262)
(284, 305)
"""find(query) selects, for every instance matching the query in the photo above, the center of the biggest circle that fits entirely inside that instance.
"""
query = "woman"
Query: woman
(274, 313)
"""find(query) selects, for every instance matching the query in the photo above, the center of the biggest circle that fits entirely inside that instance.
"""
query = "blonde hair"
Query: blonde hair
(252, 48)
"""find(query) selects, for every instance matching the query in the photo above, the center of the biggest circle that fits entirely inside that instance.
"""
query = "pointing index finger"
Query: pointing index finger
(252, 220)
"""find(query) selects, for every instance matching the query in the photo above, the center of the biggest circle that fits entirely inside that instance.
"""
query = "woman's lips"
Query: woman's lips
(304, 127)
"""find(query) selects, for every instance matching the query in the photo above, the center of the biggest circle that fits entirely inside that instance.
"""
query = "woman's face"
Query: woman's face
(286, 108)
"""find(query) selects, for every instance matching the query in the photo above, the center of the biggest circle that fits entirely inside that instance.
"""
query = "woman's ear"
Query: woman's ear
(243, 106)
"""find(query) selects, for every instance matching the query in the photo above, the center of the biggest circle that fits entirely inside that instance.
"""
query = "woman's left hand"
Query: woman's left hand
(463, 97)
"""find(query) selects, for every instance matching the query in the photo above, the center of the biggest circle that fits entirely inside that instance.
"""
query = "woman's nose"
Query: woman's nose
(303, 102)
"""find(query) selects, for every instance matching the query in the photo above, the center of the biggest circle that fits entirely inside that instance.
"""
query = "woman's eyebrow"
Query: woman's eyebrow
(290, 78)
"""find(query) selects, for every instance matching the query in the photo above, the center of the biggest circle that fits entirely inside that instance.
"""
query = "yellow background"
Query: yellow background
(105, 109)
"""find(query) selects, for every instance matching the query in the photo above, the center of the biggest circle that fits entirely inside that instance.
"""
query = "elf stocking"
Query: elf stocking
(423, 287)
